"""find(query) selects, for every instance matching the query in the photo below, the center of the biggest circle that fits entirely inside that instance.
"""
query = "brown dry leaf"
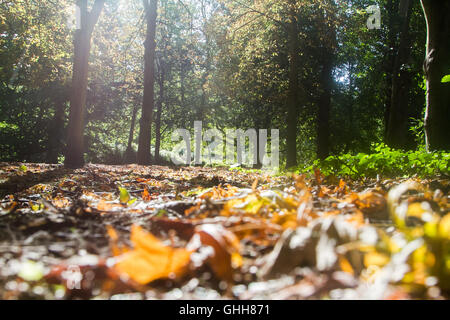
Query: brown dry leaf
(219, 192)
(60, 202)
(286, 219)
(371, 203)
(323, 191)
(319, 176)
(102, 205)
(226, 249)
(151, 259)
(255, 185)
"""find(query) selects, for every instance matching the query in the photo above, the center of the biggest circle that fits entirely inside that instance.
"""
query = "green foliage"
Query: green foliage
(446, 79)
(418, 130)
(244, 170)
(386, 162)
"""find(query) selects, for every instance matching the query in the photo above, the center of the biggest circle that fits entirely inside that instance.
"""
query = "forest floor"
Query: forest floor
(135, 232)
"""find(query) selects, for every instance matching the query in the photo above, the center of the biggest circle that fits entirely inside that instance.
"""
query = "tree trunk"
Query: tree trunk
(145, 130)
(397, 125)
(158, 114)
(201, 112)
(390, 61)
(130, 157)
(292, 103)
(323, 119)
(82, 46)
(326, 83)
(436, 66)
(56, 132)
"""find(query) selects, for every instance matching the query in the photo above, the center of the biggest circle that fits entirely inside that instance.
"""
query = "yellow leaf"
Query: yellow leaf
(375, 259)
(415, 210)
(236, 260)
(346, 266)
(444, 226)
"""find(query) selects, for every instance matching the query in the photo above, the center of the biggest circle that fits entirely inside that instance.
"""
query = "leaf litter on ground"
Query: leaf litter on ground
(212, 233)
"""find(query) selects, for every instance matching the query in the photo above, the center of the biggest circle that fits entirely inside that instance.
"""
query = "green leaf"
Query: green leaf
(31, 271)
(124, 195)
(161, 213)
(445, 79)
(23, 168)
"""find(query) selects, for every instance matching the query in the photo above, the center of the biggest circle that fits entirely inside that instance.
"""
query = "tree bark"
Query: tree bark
(326, 82)
(158, 113)
(145, 130)
(390, 61)
(436, 66)
(82, 46)
(397, 125)
(202, 110)
(56, 132)
(292, 103)
(323, 119)
(130, 157)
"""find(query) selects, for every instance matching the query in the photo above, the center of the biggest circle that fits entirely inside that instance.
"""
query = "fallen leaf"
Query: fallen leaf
(226, 249)
(151, 259)
(124, 195)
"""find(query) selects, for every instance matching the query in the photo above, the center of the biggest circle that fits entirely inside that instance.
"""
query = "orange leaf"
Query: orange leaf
(254, 185)
(226, 249)
(318, 175)
(342, 187)
(114, 238)
(151, 259)
(345, 265)
(146, 195)
(102, 205)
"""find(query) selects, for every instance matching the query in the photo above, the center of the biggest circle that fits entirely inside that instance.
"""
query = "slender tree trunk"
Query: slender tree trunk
(354, 125)
(326, 80)
(397, 126)
(145, 130)
(201, 112)
(436, 66)
(323, 119)
(82, 46)
(390, 61)
(130, 157)
(293, 99)
(56, 132)
(158, 114)
(182, 89)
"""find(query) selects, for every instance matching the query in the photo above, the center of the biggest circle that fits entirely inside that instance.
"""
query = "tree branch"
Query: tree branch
(260, 13)
(94, 15)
